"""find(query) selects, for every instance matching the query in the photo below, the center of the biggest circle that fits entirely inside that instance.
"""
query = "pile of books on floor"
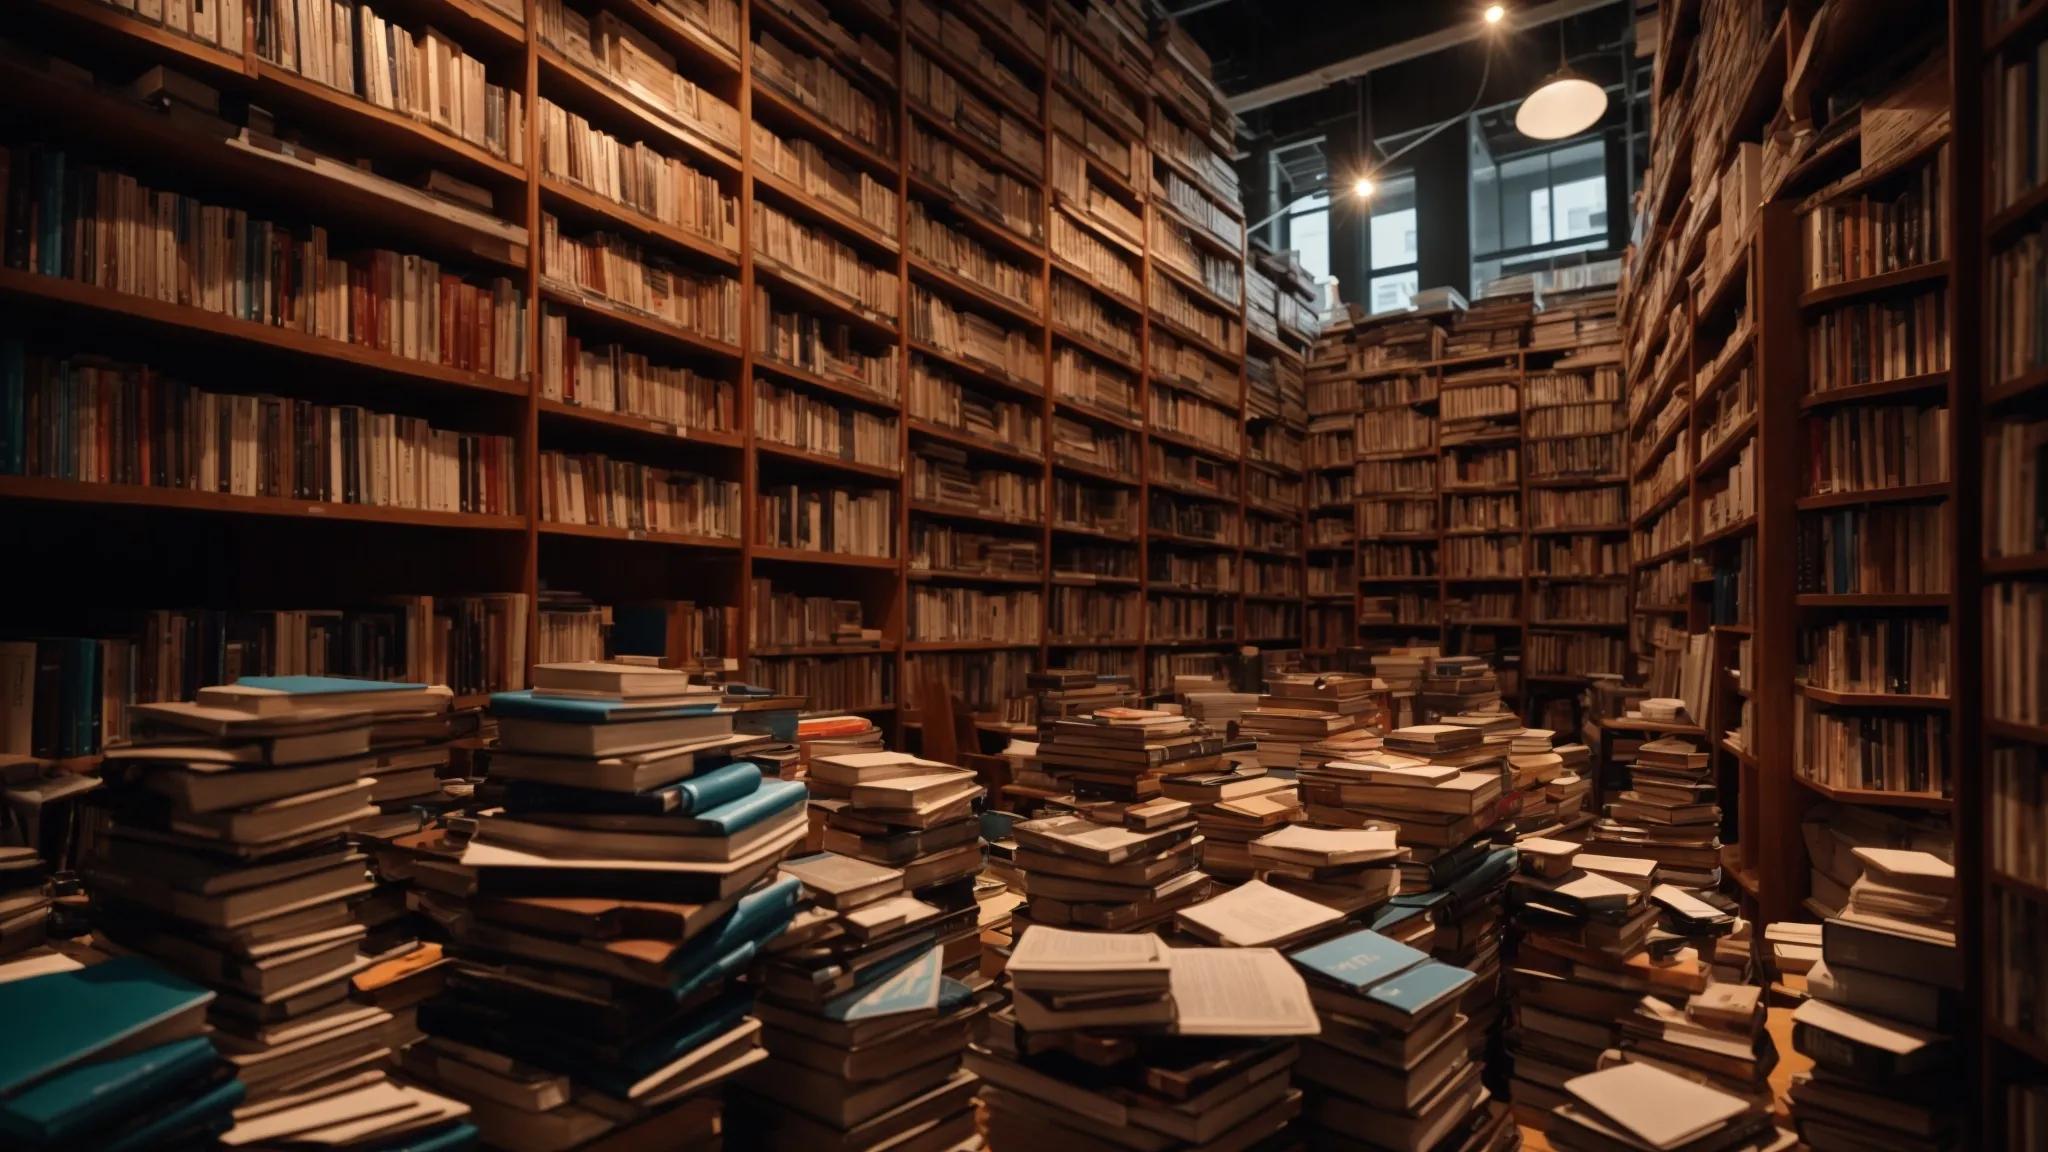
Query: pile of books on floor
(1109, 867)
(831, 736)
(1350, 870)
(422, 771)
(1068, 692)
(24, 900)
(1459, 685)
(221, 854)
(113, 1057)
(596, 924)
(864, 1032)
(1833, 832)
(1646, 1109)
(1671, 814)
(1883, 1008)
(1117, 1041)
(1394, 1066)
(1216, 705)
(1301, 711)
(1403, 671)
(1608, 968)
(912, 815)
(1232, 807)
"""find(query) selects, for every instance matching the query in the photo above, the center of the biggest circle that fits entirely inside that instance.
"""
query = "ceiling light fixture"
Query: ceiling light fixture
(1565, 104)
(1494, 12)
(1363, 188)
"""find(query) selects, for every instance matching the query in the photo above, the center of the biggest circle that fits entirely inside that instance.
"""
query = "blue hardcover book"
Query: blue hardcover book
(449, 1139)
(722, 785)
(755, 919)
(1392, 914)
(66, 1018)
(581, 710)
(1357, 961)
(772, 798)
(909, 984)
(208, 1114)
(1420, 989)
(1499, 865)
(322, 685)
(85, 1097)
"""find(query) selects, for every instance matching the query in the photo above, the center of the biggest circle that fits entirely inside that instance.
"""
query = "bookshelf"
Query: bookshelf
(766, 258)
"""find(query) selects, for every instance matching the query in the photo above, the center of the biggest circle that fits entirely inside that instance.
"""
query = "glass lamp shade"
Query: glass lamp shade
(1564, 105)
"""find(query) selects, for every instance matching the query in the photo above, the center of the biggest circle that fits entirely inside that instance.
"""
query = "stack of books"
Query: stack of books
(1671, 815)
(24, 901)
(1646, 1109)
(597, 921)
(1068, 692)
(1459, 685)
(1394, 1066)
(1110, 867)
(906, 813)
(1403, 670)
(1120, 755)
(830, 736)
(1300, 710)
(1233, 807)
(1116, 1041)
(1883, 1007)
(114, 1057)
(1833, 832)
(1216, 706)
(221, 853)
(421, 774)
(864, 1032)
(1351, 870)
(1495, 324)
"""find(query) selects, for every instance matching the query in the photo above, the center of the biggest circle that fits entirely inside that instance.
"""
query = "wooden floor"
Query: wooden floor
(1790, 1063)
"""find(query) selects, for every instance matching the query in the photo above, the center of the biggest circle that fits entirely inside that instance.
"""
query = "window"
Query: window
(1531, 208)
(1395, 274)
(1308, 232)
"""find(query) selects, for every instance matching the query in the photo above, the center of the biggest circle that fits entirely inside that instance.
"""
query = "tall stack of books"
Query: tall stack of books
(597, 922)
(864, 1032)
(832, 736)
(1403, 670)
(1069, 692)
(222, 855)
(1233, 807)
(1879, 1023)
(1352, 870)
(1646, 1109)
(418, 778)
(114, 1056)
(1122, 1042)
(917, 816)
(1459, 685)
(1393, 1066)
(1671, 814)
(1109, 867)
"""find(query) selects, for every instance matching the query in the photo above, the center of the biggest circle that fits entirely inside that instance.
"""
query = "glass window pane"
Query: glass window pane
(1539, 216)
(1309, 234)
(1393, 292)
(1393, 238)
(1580, 208)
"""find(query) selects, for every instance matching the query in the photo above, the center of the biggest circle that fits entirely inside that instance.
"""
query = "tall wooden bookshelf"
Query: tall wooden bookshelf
(783, 73)
(1824, 112)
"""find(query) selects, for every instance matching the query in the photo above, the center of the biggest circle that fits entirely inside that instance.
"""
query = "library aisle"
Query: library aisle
(984, 575)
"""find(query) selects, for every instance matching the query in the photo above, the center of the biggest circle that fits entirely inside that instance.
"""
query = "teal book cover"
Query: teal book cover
(772, 798)
(1357, 961)
(525, 705)
(80, 1099)
(757, 918)
(1496, 868)
(718, 787)
(1393, 914)
(455, 1136)
(1420, 988)
(210, 1114)
(910, 986)
(323, 685)
(65, 1018)
(644, 1059)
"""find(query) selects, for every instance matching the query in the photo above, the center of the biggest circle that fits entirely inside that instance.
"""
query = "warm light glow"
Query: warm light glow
(1363, 189)
(1494, 12)
(1565, 105)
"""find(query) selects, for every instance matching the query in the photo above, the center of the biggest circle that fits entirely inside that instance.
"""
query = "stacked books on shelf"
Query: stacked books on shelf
(1111, 1038)
(1883, 1010)
(864, 1032)
(1670, 816)
(598, 919)
(221, 854)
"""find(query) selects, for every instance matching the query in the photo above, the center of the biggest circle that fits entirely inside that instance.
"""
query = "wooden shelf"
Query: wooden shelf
(976, 370)
(638, 536)
(566, 199)
(1930, 384)
(1864, 286)
(785, 453)
(775, 652)
(949, 282)
(975, 444)
(2013, 391)
(1919, 800)
(823, 559)
(620, 318)
(44, 490)
(975, 515)
(641, 426)
(107, 305)
(1873, 600)
(2006, 730)
(1904, 494)
(791, 374)
(1871, 699)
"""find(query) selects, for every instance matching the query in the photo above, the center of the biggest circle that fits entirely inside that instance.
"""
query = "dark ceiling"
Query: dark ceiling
(1258, 42)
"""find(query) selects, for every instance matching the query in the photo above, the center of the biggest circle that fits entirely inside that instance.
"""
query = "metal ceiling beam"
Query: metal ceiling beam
(1316, 79)
(1195, 6)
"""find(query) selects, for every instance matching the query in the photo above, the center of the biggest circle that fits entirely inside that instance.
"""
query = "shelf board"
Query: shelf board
(1730, 447)
(2031, 1047)
(2021, 26)
(796, 202)
(2016, 389)
(966, 645)
(2001, 225)
(984, 373)
(596, 97)
(638, 536)
(2032, 889)
(1742, 527)
(1085, 580)
(1096, 472)
(1071, 642)
(1872, 600)
(951, 283)
(104, 303)
(618, 317)
(975, 515)
(784, 279)
(1222, 455)
(1577, 481)
(564, 198)
(1642, 609)
(966, 576)
(1831, 294)
(2036, 734)
(1659, 506)
(822, 559)
(1125, 421)
(987, 154)
(2032, 564)
(1127, 535)
(1871, 699)
(642, 426)
(1883, 390)
(985, 223)
(776, 652)
(45, 490)
(788, 115)
(790, 373)
(1903, 494)
(1673, 435)
(975, 444)
(1921, 800)
(393, 132)
(770, 450)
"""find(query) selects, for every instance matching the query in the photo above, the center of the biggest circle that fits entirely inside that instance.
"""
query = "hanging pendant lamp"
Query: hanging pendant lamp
(1565, 104)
